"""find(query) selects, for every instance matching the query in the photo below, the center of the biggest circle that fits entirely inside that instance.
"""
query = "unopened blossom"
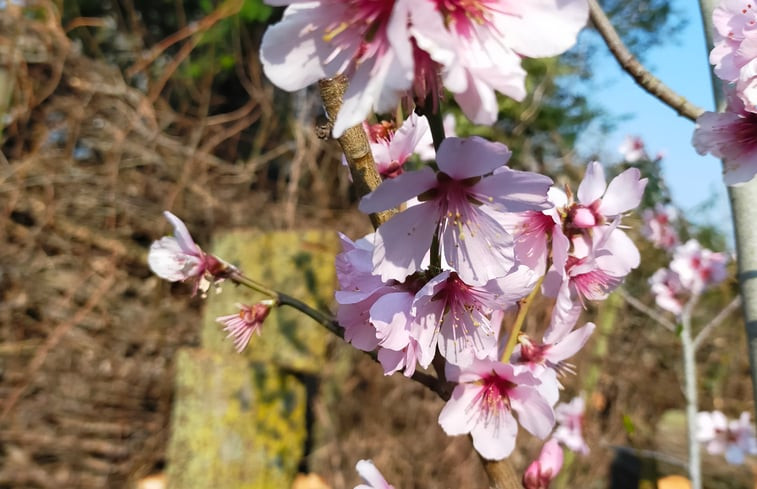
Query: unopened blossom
(668, 291)
(632, 149)
(462, 202)
(697, 267)
(391, 149)
(461, 312)
(178, 258)
(248, 320)
(735, 438)
(545, 468)
(658, 226)
(570, 419)
(732, 137)
(483, 403)
(371, 475)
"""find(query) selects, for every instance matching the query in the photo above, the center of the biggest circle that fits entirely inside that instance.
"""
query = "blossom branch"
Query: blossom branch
(633, 67)
(647, 311)
(439, 386)
(716, 321)
(355, 145)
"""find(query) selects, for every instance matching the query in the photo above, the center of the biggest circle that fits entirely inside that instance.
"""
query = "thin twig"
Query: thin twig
(523, 306)
(716, 321)
(690, 390)
(633, 67)
(439, 386)
(647, 311)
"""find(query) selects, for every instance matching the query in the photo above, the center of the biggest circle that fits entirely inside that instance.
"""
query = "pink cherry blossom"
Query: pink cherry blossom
(570, 419)
(461, 312)
(545, 468)
(632, 148)
(489, 38)
(483, 402)
(462, 203)
(735, 438)
(391, 149)
(735, 48)
(359, 291)
(248, 320)
(598, 202)
(658, 226)
(731, 136)
(698, 268)
(177, 258)
(668, 291)
(371, 475)
(364, 39)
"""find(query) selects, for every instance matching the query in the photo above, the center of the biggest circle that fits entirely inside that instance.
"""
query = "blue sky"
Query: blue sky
(682, 65)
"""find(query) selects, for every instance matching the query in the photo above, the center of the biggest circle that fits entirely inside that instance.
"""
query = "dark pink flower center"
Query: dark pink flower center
(493, 400)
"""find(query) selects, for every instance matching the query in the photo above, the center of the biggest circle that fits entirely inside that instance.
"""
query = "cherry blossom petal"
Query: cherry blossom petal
(471, 157)
(624, 193)
(397, 190)
(593, 185)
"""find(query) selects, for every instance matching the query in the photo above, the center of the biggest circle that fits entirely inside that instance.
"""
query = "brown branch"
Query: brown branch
(355, 145)
(633, 67)
(501, 474)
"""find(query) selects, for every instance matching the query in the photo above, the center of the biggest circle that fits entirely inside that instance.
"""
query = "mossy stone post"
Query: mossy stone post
(239, 420)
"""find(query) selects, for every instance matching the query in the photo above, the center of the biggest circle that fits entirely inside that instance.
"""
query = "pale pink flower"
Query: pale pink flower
(735, 48)
(177, 258)
(698, 268)
(735, 438)
(548, 359)
(462, 202)
(461, 313)
(391, 149)
(367, 40)
(668, 291)
(570, 419)
(483, 402)
(371, 475)
(658, 226)
(248, 320)
(545, 468)
(632, 148)
(359, 291)
(731, 136)
(599, 202)
(489, 38)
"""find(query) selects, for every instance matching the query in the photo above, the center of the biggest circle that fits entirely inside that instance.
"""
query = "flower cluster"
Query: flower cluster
(659, 226)
(475, 238)
(731, 135)
(735, 438)
(397, 48)
(692, 270)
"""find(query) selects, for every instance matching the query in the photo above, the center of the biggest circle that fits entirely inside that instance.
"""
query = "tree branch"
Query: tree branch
(355, 145)
(647, 311)
(715, 322)
(633, 67)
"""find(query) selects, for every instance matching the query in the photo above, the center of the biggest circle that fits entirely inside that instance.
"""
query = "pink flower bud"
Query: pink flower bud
(544, 469)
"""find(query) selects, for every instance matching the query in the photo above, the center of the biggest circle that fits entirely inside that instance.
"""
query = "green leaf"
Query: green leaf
(255, 11)
(628, 424)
